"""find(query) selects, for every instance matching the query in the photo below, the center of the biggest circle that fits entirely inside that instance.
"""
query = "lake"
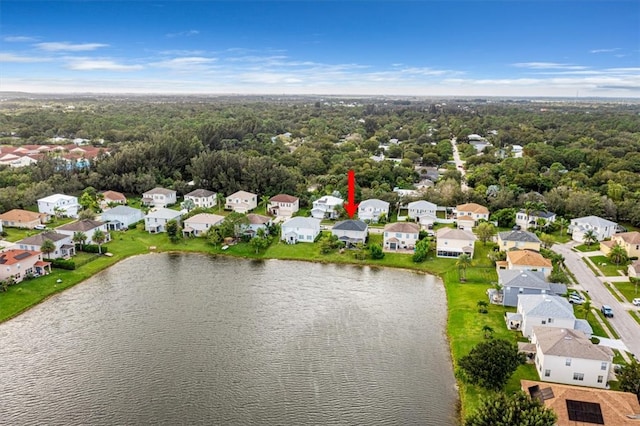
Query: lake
(194, 339)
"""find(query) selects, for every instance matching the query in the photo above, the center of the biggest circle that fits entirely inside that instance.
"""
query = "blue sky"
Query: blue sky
(425, 48)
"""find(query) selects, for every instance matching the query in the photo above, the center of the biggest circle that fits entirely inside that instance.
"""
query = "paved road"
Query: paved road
(622, 322)
(459, 163)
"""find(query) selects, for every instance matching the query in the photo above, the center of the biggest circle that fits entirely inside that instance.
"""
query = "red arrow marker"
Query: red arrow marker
(350, 206)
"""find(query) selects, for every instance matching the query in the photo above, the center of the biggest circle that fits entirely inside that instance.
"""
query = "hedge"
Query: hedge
(63, 264)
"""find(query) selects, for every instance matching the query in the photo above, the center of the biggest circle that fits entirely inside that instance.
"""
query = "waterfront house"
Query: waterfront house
(630, 242)
(256, 222)
(300, 229)
(88, 227)
(400, 236)
(602, 228)
(516, 282)
(64, 246)
(371, 210)
(521, 240)
(326, 207)
(351, 231)
(59, 205)
(199, 224)
(241, 202)
(568, 356)
(202, 198)
(545, 310)
(156, 221)
(159, 197)
(468, 215)
(283, 205)
(121, 217)
(112, 198)
(454, 242)
(531, 220)
(16, 264)
(525, 260)
(17, 218)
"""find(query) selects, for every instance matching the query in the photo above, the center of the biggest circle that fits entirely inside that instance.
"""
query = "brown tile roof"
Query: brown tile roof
(615, 406)
(406, 227)
(9, 257)
(527, 258)
(629, 237)
(473, 208)
(283, 198)
(568, 343)
(258, 219)
(17, 215)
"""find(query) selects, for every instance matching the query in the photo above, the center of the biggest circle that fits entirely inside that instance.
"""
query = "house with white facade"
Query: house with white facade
(64, 246)
(241, 202)
(417, 209)
(326, 207)
(521, 240)
(17, 264)
(525, 260)
(121, 217)
(65, 205)
(568, 356)
(454, 242)
(515, 283)
(351, 231)
(156, 221)
(400, 236)
(283, 205)
(199, 224)
(256, 222)
(202, 198)
(371, 210)
(602, 228)
(300, 230)
(86, 226)
(531, 220)
(159, 197)
(112, 198)
(468, 215)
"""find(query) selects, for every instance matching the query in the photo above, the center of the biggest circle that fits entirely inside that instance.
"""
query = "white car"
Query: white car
(636, 301)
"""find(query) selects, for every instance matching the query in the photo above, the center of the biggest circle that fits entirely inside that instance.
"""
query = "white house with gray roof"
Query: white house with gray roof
(351, 231)
(63, 243)
(202, 198)
(67, 205)
(86, 226)
(300, 229)
(452, 242)
(372, 210)
(120, 217)
(156, 221)
(325, 207)
(530, 220)
(516, 282)
(568, 356)
(602, 228)
(159, 197)
(417, 209)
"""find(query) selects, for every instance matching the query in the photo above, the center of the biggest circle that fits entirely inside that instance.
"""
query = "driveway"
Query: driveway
(622, 322)
(459, 163)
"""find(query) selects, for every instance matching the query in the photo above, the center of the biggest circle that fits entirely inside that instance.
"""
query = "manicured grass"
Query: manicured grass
(629, 291)
(635, 315)
(611, 331)
(585, 248)
(595, 270)
(16, 234)
(608, 269)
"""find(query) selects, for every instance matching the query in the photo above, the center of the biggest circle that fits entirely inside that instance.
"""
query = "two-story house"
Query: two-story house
(17, 264)
(59, 205)
(156, 221)
(300, 229)
(121, 217)
(530, 220)
(88, 227)
(420, 208)
(326, 207)
(201, 223)
(351, 231)
(111, 199)
(400, 236)
(546, 310)
(515, 283)
(64, 246)
(159, 197)
(468, 215)
(454, 242)
(521, 240)
(371, 210)
(202, 198)
(629, 241)
(256, 222)
(602, 228)
(526, 260)
(283, 205)
(241, 202)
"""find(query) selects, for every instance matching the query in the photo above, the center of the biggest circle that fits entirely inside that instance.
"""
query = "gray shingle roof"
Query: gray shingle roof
(200, 193)
(520, 236)
(543, 305)
(570, 343)
(525, 279)
(121, 211)
(350, 225)
(82, 225)
(37, 240)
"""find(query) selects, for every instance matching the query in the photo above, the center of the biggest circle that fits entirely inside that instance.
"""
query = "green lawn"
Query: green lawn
(635, 315)
(16, 234)
(607, 268)
(585, 248)
(611, 331)
(628, 290)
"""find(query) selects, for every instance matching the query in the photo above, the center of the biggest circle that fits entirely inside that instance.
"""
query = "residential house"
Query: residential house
(283, 205)
(454, 242)
(325, 207)
(156, 221)
(159, 197)
(199, 224)
(256, 222)
(17, 218)
(241, 202)
(576, 405)
(112, 198)
(371, 210)
(86, 226)
(531, 220)
(634, 269)
(421, 208)
(630, 241)
(545, 310)
(515, 283)
(64, 246)
(526, 260)
(602, 228)
(518, 240)
(65, 205)
(300, 229)
(468, 215)
(351, 231)
(121, 217)
(202, 198)
(568, 356)
(401, 236)
(16, 264)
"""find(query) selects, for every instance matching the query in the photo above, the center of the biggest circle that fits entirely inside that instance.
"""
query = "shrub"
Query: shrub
(93, 248)
(63, 264)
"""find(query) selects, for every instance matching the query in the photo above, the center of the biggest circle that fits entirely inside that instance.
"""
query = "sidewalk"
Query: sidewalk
(612, 343)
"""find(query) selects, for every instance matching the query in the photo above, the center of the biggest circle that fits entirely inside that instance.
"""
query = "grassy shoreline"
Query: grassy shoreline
(464, 322)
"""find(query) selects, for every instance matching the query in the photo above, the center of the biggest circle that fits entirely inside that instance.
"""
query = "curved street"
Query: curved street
(622, 322)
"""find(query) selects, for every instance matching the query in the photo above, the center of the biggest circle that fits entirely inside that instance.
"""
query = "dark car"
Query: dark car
(607, 311)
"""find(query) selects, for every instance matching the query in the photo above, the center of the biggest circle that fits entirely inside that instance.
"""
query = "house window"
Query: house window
(578, 376)
(547, 373)
(398, 235)
(544, 322)
(568, 362)
(603, 365)
(550, 320)
(600, 378)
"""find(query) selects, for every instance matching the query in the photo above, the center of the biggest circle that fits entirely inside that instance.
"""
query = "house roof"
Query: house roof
(302, 222)
(121, 211)
(159, 190)
(330, 200)
(164, 213)
(473, 208)
(258, 219)
(55, 197)
(242, 194)
(81, 225)
(375, 203)
(204, 193)
(17, 215)
(455, 234)
(629, 237)
(283, 198)
(351, 225)
(524, 279)
(406, 227)
(422, 204)
(570, 343)
(205, 218)
(527, 258)
(636, 266)
(615, 406)
(594, 221)
(114, 195)
(519, 236)
(544, 305)
(539, 213)
(12, 256)
(37, 240)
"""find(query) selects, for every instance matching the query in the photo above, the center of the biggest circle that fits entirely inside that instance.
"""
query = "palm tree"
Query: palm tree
(487, 330)
(618, 254)
(47, 248)
(264, 200)
(99, 237)
(562, 223)
(80, 238)
(590, 237)
(220, 198)
(463, 262)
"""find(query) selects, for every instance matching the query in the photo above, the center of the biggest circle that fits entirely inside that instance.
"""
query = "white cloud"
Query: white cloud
(19, 39)
(183, 34)
(83, 64)
(10, 57)
(615, 49)
(547, 65)
(188, 64)
(64, 46)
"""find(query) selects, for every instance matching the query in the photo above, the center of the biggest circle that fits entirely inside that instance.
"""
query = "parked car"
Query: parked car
(40, 227)
(636, 301)
(607, 311)
(576, 299)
